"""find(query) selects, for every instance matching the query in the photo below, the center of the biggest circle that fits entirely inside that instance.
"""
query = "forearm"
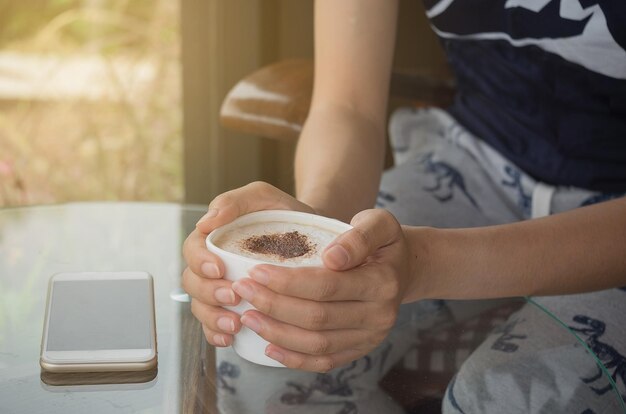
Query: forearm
(341, 149)
(577, 251)
(339, 161)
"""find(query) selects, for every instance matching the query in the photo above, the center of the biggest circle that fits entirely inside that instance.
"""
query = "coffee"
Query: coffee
(284, 238)
(278, 242)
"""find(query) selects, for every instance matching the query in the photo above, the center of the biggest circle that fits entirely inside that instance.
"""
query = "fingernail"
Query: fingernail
(226, 324)
(244, 290)
(209, 215)
(251, 323)
(260, 276)
(210, 270)
(274, 354)
(219, 339)
(337, 255)
(225, 295)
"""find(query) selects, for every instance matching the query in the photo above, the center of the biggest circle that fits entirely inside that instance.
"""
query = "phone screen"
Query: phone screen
(100, 315)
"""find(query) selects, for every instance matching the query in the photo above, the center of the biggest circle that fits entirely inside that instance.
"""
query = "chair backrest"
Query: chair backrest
(274, 101)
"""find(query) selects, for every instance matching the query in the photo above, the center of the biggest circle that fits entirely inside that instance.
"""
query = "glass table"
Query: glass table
(37, 242)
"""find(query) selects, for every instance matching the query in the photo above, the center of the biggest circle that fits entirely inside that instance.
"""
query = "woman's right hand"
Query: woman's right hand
(203, 278)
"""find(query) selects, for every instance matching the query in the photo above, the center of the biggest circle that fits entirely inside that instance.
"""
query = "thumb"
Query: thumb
(252, 197)
(372, 229)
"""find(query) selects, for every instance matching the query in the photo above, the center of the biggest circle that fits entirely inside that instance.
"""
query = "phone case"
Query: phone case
(97, 367)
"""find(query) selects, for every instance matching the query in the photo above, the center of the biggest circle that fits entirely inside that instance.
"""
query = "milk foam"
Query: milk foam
(233, 241)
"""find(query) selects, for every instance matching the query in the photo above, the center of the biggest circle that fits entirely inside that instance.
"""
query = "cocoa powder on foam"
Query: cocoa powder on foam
(284, 245)
(278, 242)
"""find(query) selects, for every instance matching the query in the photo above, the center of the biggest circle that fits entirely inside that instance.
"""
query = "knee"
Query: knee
(477, 387)
(464, 392)
(450, 404)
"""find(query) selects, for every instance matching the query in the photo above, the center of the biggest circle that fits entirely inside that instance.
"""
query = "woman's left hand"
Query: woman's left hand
(318, 318)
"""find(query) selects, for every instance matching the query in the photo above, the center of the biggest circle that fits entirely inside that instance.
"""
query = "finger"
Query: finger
(313, 363)
(216, 338)
(372, 229)
(216, 292)
(318, 283)
(309, 314)
(247, 199)
(198, 257)
(305, 341)
(217, 319)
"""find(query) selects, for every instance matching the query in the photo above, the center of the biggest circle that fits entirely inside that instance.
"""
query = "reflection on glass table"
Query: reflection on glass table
(408, 374)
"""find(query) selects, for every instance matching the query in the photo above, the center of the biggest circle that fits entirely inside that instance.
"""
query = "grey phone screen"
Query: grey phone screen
(100, 314)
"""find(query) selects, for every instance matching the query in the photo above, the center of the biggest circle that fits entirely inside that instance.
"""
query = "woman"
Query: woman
(538, 128)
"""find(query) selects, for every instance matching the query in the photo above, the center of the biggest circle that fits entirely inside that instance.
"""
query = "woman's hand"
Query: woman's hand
(203, 277)
(318, 318)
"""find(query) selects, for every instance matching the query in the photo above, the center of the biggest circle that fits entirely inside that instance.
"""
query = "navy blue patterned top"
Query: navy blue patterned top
(544, 82)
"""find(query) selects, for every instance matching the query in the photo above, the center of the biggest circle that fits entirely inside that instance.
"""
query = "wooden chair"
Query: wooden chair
(274, 101)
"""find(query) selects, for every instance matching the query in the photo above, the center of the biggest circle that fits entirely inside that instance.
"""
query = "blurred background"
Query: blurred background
(119, 99)
(90, 101)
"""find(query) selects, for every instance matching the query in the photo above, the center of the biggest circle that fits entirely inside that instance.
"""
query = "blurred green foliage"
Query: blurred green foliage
(21, 18)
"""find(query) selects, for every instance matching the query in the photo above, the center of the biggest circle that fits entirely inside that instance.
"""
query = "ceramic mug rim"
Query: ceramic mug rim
(287, 216)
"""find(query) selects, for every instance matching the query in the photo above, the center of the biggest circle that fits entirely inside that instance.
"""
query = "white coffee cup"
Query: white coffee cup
(246, 342)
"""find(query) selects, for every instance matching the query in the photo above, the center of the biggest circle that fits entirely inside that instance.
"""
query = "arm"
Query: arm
(383, 263)
(577, 251)
(340, 154)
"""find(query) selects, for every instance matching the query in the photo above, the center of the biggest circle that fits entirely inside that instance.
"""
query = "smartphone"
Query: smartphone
(99, 322)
